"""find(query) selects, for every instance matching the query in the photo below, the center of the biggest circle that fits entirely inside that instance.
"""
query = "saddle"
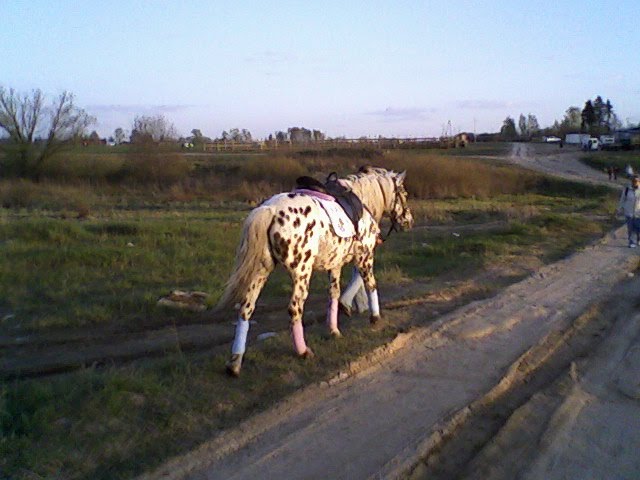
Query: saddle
(345, 197)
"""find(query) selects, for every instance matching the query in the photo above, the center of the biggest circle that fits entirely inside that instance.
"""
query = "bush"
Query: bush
(46, 196)
(432, 176)
(281, 172)
(162, 169)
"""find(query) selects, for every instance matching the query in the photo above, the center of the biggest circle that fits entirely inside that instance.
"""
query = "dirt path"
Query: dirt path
(561, 163)
(416, 396)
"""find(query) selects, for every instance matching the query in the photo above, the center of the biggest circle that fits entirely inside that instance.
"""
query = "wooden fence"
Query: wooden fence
(355, 143)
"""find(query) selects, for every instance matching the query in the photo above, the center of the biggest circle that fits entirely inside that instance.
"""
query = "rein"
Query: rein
(394, 223)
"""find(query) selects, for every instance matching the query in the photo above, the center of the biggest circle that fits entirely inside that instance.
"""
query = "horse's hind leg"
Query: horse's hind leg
(365, 266)
(247, 307)
(334, 295)
(296, 309)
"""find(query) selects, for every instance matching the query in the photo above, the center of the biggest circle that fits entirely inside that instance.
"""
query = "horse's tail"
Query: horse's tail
(253, 256)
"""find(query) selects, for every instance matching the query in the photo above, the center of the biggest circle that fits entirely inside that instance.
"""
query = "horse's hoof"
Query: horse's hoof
(345, 309)
(308, 353)
(373, 319)
(335, 333)
(234, 364)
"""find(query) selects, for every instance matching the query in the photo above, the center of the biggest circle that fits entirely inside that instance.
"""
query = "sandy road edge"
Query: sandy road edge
(235, 438)
(553, 348)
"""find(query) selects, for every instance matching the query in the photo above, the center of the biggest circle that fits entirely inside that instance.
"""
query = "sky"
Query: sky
(352, 68)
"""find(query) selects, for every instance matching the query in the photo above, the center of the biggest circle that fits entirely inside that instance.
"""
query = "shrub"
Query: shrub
(279, 171)
(47, 196)
(434, 176)
(162, 169)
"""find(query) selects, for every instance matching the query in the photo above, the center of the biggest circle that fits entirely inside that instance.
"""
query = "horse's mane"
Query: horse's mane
(375, 187)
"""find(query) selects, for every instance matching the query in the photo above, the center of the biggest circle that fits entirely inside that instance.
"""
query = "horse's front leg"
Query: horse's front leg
(334, 295)
(296, 309)
(365, 266)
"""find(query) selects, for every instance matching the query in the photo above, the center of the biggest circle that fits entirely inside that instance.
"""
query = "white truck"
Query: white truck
(576, 138)
(590, 144)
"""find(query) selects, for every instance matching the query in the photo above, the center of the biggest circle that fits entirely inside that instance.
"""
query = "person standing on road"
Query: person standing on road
(629, 205)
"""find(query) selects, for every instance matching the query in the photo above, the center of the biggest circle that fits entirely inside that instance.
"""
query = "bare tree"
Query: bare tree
(156, 128)
(37, 131)
(533, 127)
(119, 136)
(522, 125)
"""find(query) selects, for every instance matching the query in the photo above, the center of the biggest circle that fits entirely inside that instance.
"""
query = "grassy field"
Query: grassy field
(79, 253)
(604, 159)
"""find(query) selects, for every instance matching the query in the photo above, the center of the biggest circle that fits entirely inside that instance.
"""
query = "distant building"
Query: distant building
(628, 137)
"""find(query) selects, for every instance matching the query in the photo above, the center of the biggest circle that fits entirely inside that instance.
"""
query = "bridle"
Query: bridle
(394, 218)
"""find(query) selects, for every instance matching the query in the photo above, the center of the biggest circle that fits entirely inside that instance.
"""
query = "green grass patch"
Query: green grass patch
(116, 423)
(604, 159)
(108, 269)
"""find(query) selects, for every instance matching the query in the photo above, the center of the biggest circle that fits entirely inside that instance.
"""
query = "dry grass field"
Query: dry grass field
(87, 251)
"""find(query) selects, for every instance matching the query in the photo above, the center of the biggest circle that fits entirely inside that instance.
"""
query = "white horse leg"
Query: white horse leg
(238, 348)
(296, 309)
(332, 309)
(247, 307)
(366, 270)
(240, 339)
(374, 305)
(297, 335)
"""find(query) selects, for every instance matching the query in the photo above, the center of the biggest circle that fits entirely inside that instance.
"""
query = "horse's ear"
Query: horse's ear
(400, 176)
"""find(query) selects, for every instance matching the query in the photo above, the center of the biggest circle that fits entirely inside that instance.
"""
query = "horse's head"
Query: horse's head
(399, 212)
(382, 192)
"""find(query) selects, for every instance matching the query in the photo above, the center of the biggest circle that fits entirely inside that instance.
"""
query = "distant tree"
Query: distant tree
(508, 131)
(533, 127)
(237, 135)
(588, 117)
(522, 125)
(119, 136)
(281, 136)
(318, 136)
(37, 131)
(152, 128)
(599, 113)
(608, 112)
(571, 121)
(299, 135)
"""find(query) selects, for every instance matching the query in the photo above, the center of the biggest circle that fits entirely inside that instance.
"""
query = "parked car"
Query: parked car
(590, 144)
(551, 139)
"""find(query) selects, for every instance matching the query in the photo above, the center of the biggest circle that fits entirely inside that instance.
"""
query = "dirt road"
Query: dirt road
(561, 163)
(461, 384)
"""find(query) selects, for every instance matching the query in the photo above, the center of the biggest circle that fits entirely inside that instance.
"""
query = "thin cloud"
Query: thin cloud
(483, 104)
(395, 114)
(137, 109)
(271, 57)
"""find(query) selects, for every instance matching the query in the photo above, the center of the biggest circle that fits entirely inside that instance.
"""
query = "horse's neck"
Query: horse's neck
(372, 196)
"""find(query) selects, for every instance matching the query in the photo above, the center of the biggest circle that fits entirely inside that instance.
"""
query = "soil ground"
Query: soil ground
(539, 381)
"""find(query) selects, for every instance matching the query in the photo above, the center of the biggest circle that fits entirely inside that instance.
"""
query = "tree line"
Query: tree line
(597, 117)
(33, 129)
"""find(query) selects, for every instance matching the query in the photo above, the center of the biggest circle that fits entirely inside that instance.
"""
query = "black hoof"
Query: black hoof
(342, 308)
(234, 364)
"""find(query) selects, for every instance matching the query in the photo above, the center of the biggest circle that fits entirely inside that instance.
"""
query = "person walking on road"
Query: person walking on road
(629, 205)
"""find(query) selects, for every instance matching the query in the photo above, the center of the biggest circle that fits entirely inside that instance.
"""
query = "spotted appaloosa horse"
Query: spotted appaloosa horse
(293, 229)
